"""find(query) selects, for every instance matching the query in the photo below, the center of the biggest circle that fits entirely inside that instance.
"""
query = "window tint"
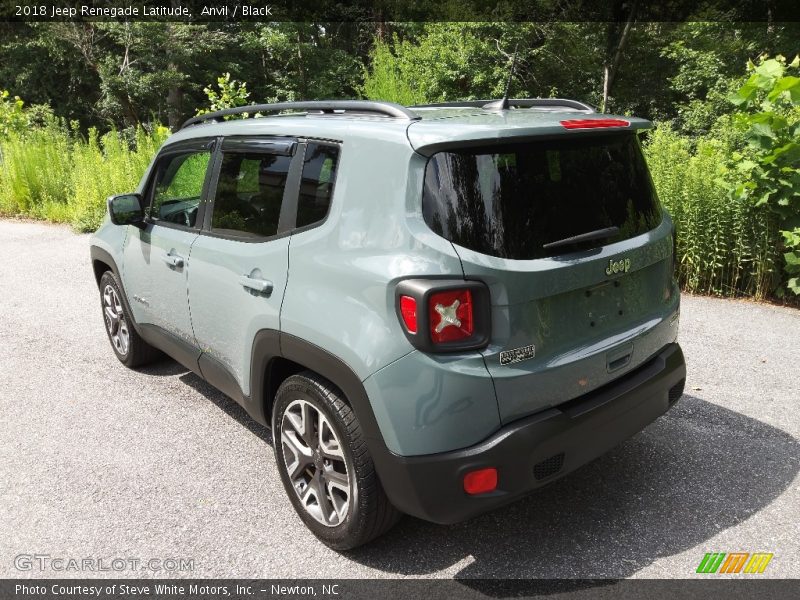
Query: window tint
(316, 185)
(249, 193)
(178, 185)
(513, 200)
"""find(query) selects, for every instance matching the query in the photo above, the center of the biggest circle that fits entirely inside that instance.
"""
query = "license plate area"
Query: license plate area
(604, 303)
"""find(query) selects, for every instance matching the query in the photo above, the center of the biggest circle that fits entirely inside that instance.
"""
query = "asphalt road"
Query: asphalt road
(102, 462)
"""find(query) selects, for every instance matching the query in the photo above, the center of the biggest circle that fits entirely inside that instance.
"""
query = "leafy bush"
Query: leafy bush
(12, 116)
(51, 173)
(726, 247)
(769, 167)
(231, 94)
(384, 81)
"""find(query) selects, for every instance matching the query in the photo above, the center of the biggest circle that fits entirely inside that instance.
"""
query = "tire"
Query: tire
(131, 350)
(308, 407)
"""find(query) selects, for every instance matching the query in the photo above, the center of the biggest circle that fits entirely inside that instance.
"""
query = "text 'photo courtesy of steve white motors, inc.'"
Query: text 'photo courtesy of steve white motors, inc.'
(188, 11)
(190, 589)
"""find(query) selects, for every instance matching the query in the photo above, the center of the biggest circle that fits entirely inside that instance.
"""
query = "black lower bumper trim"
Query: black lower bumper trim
(535, 450)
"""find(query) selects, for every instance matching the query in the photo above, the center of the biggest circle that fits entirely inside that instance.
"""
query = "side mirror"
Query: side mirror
(125, 209)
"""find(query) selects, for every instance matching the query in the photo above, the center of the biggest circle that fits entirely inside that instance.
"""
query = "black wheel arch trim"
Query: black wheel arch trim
(99, 255)
(270, 344)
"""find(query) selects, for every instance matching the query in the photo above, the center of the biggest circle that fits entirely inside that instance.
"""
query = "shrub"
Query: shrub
(51, 173)
(726, 247)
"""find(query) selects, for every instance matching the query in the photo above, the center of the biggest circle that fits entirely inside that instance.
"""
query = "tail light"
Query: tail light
(408, 311)
(444, 315)
(451, 316)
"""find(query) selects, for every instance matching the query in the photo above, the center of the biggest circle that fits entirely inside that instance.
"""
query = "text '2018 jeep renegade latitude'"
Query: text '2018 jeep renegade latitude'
(435, 309)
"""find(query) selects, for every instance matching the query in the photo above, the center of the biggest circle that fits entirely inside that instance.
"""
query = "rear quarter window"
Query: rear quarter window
(511, 201)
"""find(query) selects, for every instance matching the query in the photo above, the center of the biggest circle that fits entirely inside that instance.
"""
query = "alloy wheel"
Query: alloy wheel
(315, 463)
(116, 324)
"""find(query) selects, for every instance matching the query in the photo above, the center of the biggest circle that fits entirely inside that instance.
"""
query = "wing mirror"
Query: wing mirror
(126, 209)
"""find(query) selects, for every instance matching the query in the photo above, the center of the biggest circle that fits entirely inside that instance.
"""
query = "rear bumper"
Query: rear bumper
(538, 449)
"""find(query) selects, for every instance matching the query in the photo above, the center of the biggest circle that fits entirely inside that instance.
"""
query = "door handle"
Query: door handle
(262, 286)
(173, 260)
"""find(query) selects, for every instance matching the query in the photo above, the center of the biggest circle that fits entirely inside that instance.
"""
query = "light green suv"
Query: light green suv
(436, 309)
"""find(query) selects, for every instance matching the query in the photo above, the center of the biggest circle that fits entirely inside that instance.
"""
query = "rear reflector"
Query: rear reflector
(593, 123)
(480, 481)
(408, 308)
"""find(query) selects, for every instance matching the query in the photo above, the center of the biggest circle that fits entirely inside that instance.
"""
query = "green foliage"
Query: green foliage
(231, 94)
(384, 81)
(12, 117)
(726, 247)
(769, 167)
(792, 258)
(51, 173)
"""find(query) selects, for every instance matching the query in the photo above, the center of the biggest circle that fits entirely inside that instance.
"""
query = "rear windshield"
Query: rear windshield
(510, 201)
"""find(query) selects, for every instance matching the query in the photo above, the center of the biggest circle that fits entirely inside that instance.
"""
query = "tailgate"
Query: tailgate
(564, 326)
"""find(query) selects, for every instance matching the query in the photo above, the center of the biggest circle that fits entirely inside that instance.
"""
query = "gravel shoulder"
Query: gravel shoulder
(101, 461)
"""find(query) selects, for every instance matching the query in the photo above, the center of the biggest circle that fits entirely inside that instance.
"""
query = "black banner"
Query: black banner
(396, 10)
(430, 589)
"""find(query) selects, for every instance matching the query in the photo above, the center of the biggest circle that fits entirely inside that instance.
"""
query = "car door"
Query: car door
(240, 261)
(157, 255)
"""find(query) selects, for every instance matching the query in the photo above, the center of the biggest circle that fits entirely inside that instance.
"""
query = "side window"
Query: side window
(178, 185)
(316, 184)
(249, 193)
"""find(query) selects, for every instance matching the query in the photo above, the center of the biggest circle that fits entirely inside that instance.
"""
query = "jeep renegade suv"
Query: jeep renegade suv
(435, 309)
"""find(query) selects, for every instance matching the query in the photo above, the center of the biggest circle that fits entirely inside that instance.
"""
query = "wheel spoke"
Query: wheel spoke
(325, 504)
(338, 480)
(111, 314)
(309, 415)
(124, 337)
(301, 454)
(328, 443)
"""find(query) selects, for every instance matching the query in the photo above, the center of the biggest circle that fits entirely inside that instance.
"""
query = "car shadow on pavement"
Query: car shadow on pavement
(696, 471)
(227, 404)
(165, 367)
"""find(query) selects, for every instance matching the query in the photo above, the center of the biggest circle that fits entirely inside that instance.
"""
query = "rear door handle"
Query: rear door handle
(173, 260)
(262, 286)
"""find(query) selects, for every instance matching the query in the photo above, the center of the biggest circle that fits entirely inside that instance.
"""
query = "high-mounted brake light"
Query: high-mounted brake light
(593, 123)
(408, 309)
(450, 316)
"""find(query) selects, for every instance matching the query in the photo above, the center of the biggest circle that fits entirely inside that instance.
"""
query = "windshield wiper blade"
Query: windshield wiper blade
(597, 234)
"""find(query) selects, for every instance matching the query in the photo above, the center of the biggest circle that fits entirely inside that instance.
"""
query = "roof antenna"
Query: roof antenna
(503, 104)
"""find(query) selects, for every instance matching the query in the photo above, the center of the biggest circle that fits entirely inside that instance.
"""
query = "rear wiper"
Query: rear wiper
(597, 234)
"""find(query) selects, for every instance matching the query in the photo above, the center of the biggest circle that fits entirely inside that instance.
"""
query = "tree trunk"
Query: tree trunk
(611, 63)
(174, 104)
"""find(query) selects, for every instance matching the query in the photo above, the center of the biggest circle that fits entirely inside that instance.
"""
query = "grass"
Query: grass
(51, 174)
(726, 246)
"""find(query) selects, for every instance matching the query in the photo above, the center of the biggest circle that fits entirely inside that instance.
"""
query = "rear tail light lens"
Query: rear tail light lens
(480, 481)
(408, 310)
(444, 315)
(594, 123)
(450, 316)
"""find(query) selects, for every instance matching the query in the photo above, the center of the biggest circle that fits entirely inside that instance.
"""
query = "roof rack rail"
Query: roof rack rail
(386, 109)
(515, 103)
